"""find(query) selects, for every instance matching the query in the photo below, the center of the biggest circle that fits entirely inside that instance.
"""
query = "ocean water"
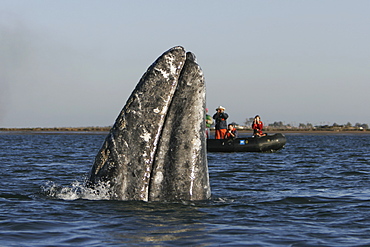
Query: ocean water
(314, 192)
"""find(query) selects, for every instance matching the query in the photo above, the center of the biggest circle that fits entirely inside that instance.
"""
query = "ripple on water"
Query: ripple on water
(314, 192)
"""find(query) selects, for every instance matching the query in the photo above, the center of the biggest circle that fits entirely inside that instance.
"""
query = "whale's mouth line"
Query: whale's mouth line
(156, 143)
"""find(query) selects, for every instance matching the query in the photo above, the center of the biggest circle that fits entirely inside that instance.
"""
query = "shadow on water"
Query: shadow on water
(158, 223)
(135, 223)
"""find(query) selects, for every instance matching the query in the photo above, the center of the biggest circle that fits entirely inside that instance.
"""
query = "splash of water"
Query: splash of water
(76, 191)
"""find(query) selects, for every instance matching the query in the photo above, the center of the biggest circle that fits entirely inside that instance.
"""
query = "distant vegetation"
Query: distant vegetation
(279, 125)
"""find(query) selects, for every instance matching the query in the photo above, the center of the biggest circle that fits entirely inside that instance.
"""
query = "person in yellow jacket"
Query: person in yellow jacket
(209, 122)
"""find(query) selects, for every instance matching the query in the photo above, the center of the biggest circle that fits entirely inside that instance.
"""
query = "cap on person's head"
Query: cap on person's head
(220, 108)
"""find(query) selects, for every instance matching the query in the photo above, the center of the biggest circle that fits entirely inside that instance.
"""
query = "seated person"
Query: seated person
(231, 132)
(257, 126)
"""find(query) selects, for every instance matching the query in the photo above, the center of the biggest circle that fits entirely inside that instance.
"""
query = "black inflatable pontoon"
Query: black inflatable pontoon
(268, 143)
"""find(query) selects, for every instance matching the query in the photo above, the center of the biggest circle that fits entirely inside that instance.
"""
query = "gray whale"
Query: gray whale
(156, 149)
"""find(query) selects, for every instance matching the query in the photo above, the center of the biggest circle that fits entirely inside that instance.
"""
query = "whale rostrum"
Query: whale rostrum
(156, 149)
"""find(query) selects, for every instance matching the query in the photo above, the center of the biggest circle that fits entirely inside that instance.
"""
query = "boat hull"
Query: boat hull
(269, 143)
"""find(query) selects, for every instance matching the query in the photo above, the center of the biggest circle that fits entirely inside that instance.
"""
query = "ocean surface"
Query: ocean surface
(314, 192)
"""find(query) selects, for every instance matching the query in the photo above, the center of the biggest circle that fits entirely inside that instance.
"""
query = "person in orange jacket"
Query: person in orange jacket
(231, 132)
(257, 126)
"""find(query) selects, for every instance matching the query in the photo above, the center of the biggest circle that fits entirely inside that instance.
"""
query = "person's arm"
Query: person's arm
(254, 125)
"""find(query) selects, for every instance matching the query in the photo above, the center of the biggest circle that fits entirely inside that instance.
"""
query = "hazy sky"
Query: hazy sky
(74, 63)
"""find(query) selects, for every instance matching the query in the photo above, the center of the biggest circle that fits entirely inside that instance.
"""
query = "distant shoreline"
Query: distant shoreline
(105, 130)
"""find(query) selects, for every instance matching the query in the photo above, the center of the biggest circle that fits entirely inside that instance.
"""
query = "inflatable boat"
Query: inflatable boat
(268, 143)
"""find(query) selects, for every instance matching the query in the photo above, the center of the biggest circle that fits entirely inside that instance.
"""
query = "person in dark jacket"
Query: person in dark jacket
(231, 132)
(221, 124)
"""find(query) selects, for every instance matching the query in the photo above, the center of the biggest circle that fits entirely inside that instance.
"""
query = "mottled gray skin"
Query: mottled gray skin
(180, 171)
(128, 163)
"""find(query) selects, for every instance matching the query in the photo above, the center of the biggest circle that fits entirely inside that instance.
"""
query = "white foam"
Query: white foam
(76, 191)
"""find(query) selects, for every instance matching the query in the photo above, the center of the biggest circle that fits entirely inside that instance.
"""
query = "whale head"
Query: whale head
(156, 149)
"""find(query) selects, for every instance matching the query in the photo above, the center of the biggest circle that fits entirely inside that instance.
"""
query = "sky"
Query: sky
(74, 63)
